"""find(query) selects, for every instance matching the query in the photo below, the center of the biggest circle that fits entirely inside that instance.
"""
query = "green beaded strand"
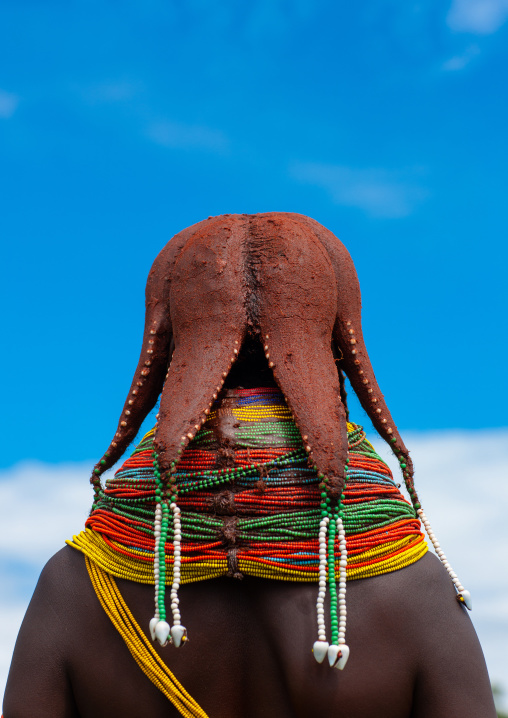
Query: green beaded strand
(331, 580)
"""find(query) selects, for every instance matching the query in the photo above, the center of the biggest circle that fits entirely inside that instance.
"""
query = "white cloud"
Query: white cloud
(481, 17)
(458, 62)
(378, 192)
(10, 621)
(460, 476)
(8, 104)
(40, 506)
(180, 136)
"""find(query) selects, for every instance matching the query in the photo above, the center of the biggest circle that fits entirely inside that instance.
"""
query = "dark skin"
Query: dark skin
(414, 652)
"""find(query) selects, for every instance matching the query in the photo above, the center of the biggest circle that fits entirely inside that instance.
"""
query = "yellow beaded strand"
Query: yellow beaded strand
(145, 656)
(132, 568)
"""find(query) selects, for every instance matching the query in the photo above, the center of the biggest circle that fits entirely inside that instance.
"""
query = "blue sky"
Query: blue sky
(122, 123)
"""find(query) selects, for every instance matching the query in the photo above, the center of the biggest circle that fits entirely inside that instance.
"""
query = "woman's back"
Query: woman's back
(415, 653)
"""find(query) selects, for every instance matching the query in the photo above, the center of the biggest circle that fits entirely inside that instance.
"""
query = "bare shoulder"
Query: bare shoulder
(451, 676)
(45, 640)
(414, 651)
(63, 577)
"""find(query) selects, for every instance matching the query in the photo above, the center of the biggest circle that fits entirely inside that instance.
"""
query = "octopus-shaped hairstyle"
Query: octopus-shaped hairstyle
(286, 279)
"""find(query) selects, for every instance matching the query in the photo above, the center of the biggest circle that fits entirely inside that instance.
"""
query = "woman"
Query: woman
(254, 473)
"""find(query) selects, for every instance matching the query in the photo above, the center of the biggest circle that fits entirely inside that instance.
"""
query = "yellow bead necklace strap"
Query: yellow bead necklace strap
(384, 558)
(117, 564)
(138, 644)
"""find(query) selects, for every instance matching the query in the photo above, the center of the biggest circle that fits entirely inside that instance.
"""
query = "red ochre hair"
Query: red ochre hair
(288, 280)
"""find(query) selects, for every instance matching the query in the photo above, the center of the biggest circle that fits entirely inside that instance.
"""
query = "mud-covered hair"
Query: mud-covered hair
(283, 277)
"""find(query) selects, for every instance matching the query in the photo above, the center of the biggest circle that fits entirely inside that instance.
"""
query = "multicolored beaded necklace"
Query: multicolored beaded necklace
(246, 501)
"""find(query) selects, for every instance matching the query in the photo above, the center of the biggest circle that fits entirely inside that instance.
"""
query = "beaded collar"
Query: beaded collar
(245, 499)
(249, 503)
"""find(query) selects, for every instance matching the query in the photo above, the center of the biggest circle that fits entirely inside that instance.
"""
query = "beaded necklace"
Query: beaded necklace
(243, 498)
(266, 514)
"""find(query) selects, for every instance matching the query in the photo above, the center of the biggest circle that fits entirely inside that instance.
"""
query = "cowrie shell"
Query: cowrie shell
(178, 634)
(320, 649)
(162, 630)
(338, 655)
(153, 622)
(343, 659)
(465, 598)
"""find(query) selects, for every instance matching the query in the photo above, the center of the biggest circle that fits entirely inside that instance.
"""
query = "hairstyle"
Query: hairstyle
(280, 276)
